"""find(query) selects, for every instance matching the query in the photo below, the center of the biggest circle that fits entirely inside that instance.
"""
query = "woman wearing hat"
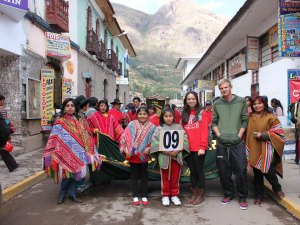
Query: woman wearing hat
(116, 112)
(102, 122)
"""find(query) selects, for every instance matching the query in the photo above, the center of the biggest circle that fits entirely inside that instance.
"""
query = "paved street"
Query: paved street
(111, 204)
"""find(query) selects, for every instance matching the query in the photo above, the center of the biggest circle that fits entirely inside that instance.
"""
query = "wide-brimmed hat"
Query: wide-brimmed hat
(116, 101)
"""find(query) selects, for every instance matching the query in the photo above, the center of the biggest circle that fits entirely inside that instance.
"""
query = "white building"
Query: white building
(228, 55)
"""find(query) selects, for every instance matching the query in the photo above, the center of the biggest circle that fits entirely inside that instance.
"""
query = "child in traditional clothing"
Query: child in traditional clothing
(135, 143)
(170, 162)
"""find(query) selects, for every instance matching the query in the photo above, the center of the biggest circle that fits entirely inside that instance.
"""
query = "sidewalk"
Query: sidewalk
(30, 172)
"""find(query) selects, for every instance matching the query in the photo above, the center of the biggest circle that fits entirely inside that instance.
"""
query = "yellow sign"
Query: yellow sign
(70, 67)
(47, 80)
(66, 88)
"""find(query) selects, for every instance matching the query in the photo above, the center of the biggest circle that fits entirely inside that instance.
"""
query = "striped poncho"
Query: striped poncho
(261, 153)
(69, 149)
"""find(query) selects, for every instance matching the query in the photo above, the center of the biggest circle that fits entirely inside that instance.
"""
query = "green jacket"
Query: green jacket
(230, 117)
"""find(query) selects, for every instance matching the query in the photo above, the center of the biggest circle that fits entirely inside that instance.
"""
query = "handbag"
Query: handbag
(9, 146)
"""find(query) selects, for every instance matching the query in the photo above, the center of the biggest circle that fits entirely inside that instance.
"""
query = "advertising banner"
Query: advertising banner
(66, 88)
(237, 65)
(293, 85)
(58, 45)
(289, 28)
(47, 80)
(206, 84)
(253, 53)
(20, 4)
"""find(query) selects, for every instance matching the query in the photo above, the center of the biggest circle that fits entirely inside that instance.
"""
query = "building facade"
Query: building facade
(247, 53)
(54, 49)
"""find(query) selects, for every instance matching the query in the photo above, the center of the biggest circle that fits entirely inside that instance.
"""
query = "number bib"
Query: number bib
(171, 140)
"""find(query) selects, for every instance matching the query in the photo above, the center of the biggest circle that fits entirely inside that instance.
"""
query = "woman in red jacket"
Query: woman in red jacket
(195, 125)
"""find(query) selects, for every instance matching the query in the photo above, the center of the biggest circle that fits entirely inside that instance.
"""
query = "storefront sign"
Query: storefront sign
(47, 79)
(253, 53)
(58, 46)
(273, 36)
(237, 65)
(14, 9)
(122, 80)
(289, 6)
(289, 35)
(293, 85)
(18, 4)
(66, 88)
(206, 84)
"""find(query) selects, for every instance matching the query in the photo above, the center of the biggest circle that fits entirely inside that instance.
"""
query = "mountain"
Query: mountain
(179, 28)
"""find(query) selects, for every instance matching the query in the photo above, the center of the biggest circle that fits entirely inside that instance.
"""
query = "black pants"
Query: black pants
(68, 187)
(196, 165)
(297, 147)
(233, 160)
(9, 161)
(259, 181)
(139, 170)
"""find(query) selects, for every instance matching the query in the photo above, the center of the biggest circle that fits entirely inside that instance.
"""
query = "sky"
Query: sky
(220, 7)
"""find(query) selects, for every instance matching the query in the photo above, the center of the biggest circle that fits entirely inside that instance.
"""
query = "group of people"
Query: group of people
(244, 139)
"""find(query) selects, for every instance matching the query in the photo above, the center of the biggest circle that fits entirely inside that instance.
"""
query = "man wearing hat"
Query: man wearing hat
(116, 112)
(82, 103)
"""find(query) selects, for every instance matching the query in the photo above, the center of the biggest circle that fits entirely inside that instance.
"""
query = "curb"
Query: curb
(21, 186)
(287, 203)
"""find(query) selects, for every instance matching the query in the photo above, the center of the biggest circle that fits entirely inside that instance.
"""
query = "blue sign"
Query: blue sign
(19, 4)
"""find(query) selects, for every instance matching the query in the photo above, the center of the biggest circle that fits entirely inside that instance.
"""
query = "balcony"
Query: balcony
(101, 56)
(58, 14)
(111, 60)
(120, 71)
(126, 73)
(92, 42)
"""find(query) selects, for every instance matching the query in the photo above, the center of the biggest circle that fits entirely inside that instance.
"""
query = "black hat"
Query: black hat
(116, 101)
(81, 101)
(208, 102)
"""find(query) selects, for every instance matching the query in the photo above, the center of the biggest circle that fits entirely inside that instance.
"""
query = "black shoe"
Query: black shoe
(61, 199)
(75, 199)
(14, 168)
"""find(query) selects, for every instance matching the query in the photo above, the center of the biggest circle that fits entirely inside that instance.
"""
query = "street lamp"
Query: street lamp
(119, 35)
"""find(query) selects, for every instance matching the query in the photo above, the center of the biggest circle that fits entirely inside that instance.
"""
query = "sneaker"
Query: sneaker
(136, 201)
(243, 205)
(280, 194)
(176, 200)
(145, 201)
(258, 201)
(165, 201)
(226, 201)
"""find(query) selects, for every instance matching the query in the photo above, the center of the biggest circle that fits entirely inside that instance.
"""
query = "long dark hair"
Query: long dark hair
(262, 100)
(62, 111)
(277, 103)
(161, 118)
(105, 102)
(187, 110)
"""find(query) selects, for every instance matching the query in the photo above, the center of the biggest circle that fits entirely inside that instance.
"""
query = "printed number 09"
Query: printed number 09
(171, 139)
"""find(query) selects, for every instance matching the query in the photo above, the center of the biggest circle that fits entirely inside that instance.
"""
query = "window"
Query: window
(269, 48)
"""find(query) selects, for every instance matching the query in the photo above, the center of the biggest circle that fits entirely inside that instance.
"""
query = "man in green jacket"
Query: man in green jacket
(230, 119)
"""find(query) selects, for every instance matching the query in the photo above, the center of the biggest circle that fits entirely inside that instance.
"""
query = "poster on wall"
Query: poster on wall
(252, 53)
(66, 88)
(58, 45)
(237, 65)
(33, 102)
(47, 90)
(293, 85)
(289, 28)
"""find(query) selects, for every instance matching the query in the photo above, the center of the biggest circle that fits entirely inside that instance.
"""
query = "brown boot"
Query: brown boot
(199, 197)
(194, 191)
